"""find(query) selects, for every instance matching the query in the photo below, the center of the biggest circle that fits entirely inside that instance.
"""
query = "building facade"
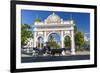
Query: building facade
(53, 24)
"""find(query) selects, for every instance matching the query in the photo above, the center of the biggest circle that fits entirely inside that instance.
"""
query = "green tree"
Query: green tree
(75, 29)
(52, 43)
(79, 39)
(67, 42)
(25, 33)
(37, 20)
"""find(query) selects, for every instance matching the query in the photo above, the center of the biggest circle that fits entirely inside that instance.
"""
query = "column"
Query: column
(34, 38)
(62, 40)
(72, 43)
(45, 38)
(40, 42)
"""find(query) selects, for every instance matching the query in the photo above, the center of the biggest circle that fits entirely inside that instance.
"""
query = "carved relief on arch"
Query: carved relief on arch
(49, 32)
(59, 32)
(67, 33)
(40, 33)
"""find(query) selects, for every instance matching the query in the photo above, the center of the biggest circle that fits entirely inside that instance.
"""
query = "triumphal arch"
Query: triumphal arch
(54, 24)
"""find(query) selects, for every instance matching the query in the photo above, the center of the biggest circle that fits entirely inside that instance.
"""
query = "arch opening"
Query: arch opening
(67, 42)
(54, 40)
(40, 42)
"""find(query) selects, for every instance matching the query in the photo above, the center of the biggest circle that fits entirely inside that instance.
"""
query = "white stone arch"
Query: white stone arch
(61, 26)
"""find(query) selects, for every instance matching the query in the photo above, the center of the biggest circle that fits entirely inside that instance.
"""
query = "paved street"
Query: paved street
(54, 58)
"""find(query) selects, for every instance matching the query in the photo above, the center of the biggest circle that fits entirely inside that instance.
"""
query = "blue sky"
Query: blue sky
(82, 20)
